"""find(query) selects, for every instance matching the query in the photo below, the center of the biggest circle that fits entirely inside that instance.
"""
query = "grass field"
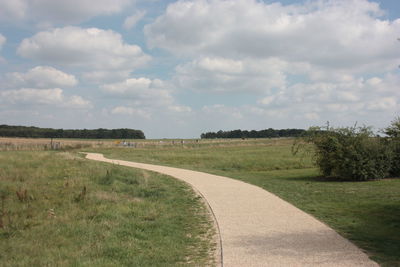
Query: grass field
(368, 213)
(37, 144)
(58, 209)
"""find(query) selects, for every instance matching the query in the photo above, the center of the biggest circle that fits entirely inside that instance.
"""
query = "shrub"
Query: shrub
(393, 133)
(350, 153)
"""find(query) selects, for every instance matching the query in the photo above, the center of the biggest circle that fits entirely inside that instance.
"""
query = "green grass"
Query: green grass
(83, 213)
(367, 213)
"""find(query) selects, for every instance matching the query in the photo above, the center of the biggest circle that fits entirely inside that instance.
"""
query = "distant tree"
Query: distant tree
(267, 133)
(393, 130)
(35, 132)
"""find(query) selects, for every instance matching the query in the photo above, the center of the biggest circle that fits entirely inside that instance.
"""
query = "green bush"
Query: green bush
(351, 153)
(393, 133)
(395, 169)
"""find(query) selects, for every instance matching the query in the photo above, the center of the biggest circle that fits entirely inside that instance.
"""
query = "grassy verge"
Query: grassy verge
(368, 213)
(58, 209)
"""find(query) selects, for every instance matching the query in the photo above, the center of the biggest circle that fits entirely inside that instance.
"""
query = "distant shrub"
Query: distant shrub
(393, 133)
(350, 153)
(395, 168)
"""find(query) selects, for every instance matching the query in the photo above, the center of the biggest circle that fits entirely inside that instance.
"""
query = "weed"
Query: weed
(22, 195)
(81, 196)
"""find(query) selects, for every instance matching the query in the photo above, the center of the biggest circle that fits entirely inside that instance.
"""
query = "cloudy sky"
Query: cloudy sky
(180, 68)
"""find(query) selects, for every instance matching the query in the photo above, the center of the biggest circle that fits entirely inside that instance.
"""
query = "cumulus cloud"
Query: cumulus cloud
(53, 97)
(356, 97)
(180, 109)
(102, 76)
(228, 75)
(144, 97)
(235, 113)
(318, 60)
(2, 40)
(30, 95)
(40, 77)
(76, 101)
(123, 110)
(89, 48)
(338, 34)
(142, 91)
(12, 9)
(131, 21)
(58, 12)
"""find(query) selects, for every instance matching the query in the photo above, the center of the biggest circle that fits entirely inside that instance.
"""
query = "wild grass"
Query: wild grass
(40, 144)
(58, 209)
(367, 213)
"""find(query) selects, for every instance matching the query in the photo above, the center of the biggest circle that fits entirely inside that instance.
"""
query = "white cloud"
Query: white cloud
(227, 75)
(336, 34)
(144, 97)
(56, 12)
(180, 109)
(89, 48)
(122, 110)
(312, 116)
(76, 101)
(131, 21)
(32, 96)
(383, 104)
(105, 76)
(221, 65)
(41, 77)
(267, 100)
(222, 111)
(2, 40)
(354, 98)
(12, 9)
(142, 91)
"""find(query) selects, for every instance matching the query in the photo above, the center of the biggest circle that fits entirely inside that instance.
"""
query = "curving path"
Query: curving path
(259, 229)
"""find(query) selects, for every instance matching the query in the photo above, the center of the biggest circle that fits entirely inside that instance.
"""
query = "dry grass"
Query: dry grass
(40, 144)
(34, 144)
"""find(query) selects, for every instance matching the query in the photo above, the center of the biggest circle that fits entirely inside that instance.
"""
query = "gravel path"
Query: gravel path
(259, 229)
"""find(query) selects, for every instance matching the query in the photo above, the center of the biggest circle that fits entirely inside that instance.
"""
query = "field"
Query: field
(35, 144)
(367, 213)
(58, 209)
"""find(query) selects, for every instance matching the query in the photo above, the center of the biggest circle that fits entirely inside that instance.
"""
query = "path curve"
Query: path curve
(258, 228)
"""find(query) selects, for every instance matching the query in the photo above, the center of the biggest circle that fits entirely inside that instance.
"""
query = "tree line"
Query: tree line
(36, 132)
(267, 133)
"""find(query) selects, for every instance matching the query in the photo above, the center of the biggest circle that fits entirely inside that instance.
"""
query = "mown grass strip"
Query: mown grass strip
(58, 209)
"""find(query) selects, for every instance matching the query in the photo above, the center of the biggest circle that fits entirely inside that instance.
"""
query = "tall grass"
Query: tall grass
(58, 209)
(35, 144)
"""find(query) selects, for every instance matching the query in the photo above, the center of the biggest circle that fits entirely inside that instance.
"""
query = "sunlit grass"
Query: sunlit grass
(58, 209)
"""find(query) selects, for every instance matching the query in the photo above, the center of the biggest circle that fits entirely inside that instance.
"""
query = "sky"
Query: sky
(176, 69)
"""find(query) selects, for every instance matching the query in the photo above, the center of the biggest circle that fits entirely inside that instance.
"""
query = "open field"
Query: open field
(34, 144)
(367, 213)
(58, 209)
